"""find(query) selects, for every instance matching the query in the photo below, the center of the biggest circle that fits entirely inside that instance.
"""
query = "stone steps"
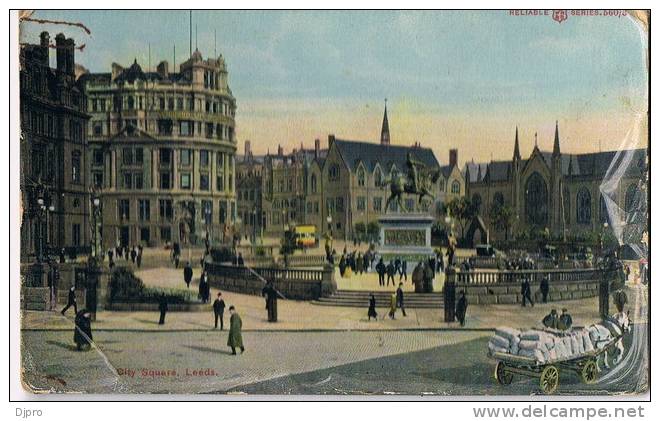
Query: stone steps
(344, 298)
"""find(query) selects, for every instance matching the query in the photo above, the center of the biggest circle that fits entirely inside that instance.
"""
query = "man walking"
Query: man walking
(235, 339)
(526, 292)
(71, 301)
(403, 271)
(390, 273)
(372, 308)
(380, 269)
(399, 299)
(461, 308)
(162, 307)
(545, 288)
(271, 295)
(219, 311)
(187, 274)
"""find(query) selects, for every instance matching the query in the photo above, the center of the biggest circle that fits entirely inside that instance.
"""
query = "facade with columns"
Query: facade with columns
(162, 147)
(569, 194)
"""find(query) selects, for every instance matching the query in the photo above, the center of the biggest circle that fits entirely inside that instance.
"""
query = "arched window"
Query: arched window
(378, 177)
(131, 102)
(583, 206)
(361, 177)
(476, 202)
(536, 200)
(313, 183)
(394, 171)
(632, 197)
(456, 187)
(333, 172)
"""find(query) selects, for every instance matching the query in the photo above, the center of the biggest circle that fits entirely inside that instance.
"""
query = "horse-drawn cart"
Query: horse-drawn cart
(585, 365)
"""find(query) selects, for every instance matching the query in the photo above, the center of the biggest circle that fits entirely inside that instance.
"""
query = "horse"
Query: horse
(399, 184)
(602, 335)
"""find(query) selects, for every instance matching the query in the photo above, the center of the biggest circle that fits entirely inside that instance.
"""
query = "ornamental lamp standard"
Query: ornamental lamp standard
(96, 208)
(329, 220)
(254, 226)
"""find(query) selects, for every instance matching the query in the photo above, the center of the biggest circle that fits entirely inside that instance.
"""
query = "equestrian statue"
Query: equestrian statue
(418, 180)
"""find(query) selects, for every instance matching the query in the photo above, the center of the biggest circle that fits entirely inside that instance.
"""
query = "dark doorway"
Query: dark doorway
(124, 236)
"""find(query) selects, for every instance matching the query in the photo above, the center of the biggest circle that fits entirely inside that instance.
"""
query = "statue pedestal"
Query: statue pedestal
(405, 235)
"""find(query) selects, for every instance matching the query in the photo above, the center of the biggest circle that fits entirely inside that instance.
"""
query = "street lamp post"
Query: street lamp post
(254, 227)
(96, 208)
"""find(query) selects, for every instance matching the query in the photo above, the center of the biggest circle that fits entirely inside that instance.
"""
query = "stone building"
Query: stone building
(162, 146)
(53, 147)
(249, 180)
(569, 194)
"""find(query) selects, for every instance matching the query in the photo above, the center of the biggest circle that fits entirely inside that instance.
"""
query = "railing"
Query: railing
(268, 274)
(488, 262)
(302, 260)
(534, 276)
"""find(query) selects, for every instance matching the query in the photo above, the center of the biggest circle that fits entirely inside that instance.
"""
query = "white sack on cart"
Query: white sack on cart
(586, 341)
(577, 345)
(493, 348)
(507, 332)
(529, 345)
(535, 354)
(500, 342)
(515, 345)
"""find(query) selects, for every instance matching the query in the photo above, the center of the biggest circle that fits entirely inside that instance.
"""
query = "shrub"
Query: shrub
(125, 287)
(222, 254)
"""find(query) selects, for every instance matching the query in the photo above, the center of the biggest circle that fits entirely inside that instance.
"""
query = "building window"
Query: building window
(97, 178)
(604, 214)
(378, 204)
(333, 172)
(76, 176)
(204, 158)
(76, 234)
(139, 156)
(145, 209)
(165, 180)
(207, 209)
(186, 128)
(185, 181)
(98, 157)
(165, 234)
(124, 209)
(456, 187)
(313, 183)
(220, 183)
(204, 182)
(144, 234)
(170, 103)
(185, 157)
(98, 129)
(340, 204)
(223, 212)
(165, 209)
(128, 180)
(583, 206)
(131, 103)
(165, 127)
(378, 178)
(361, 177)
(165, 156)
(536, 200)
(361, 203)
(127, 156)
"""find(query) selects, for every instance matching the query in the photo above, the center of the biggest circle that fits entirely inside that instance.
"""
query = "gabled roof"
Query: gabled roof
(370, 154)
(498, 171)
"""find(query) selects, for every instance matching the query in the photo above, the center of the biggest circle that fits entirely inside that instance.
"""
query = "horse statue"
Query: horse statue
(413, 182)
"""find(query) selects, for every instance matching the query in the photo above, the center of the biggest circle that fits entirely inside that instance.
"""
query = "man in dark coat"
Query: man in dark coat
(62, 256)
(418, 277)
(565, 320)
(82, 332)
(545, 288)
(241, 262)
(380, 269)
(399, 299)
(428, 277)
(461, 308)
(162, 307)
(133, 254)
(71, 301)
(271, 295)
(526, 292)
(204, 289)
(187, 274)
(138, 259)
(372, 308)
(342, 265)
(219, 311)
(235, 338)
(403, 271)
(391, 270)
(551, 320)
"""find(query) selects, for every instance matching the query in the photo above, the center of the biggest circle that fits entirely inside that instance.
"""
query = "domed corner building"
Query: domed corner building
(161, 152)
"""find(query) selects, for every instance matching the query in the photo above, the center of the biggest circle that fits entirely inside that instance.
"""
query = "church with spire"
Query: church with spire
(553, 191)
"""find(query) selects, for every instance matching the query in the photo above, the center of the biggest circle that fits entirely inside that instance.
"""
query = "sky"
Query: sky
(452, 79)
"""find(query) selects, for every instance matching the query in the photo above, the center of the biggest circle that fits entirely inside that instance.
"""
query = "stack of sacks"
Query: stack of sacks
(547, 345)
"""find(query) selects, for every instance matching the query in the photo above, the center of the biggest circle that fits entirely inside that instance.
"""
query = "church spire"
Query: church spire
(555, 148)
(385, 130)
(516, 148)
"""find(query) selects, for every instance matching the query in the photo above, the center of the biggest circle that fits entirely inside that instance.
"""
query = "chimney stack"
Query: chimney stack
(45, 45)
(331, 140)
(317, 148)
(453, 157)
(280, 150)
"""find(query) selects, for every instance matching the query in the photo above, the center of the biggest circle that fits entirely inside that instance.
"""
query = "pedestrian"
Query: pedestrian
(372, 308)
(187, 274)
(418, 277)
(461, 308)
(365, 261)
(110, 255)
(390, 273)
(82, 332)
(271, 294)
(235, 339)
(139, 256)
(219, 311)
(127, 255)
(545, 288)
(440, 267)
(392, 305)
(241, 262)
(428, 274)
(62, 256)
(342, 266)
(162, 307)
(380, 269)
(565, 320)
(526, 292)
(403, 272)
(133, 254)
(71, 301)
(359, 264)
(399, 299)
(204, 290)
(551, 320)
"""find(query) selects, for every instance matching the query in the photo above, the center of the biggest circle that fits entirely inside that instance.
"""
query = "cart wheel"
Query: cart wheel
(549, 379)
(589, 372)
(501, 375)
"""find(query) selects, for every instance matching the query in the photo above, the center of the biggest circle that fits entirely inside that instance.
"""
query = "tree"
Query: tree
(501, 217)
(360, 230)
(462, 210)
(373, 231)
